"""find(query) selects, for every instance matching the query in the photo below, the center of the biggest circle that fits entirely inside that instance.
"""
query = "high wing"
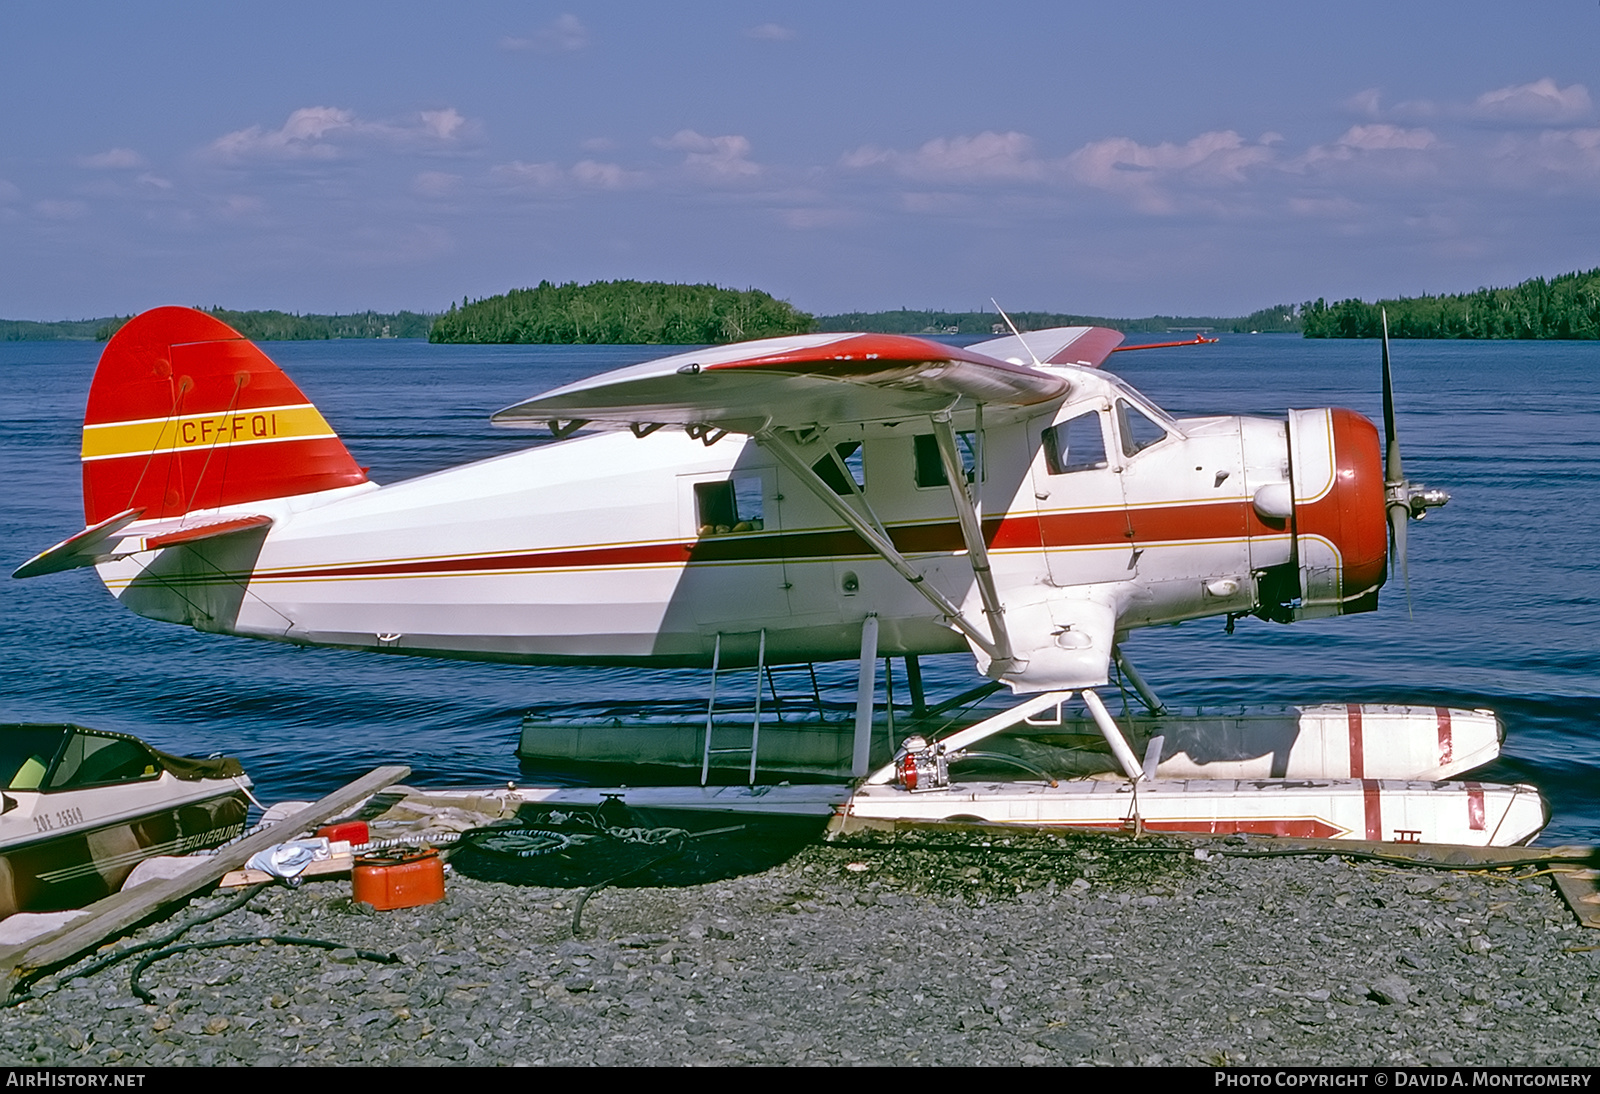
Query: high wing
(791, 383)
(1085, 346)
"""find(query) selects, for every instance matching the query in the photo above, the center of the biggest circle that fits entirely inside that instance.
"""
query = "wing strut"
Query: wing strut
(972, 535)
(877, 537)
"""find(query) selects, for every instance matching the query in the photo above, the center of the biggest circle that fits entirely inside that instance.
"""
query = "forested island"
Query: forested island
(1563, 307)
(621, 312)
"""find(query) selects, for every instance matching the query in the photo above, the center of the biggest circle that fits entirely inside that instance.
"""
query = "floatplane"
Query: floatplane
(813, 498)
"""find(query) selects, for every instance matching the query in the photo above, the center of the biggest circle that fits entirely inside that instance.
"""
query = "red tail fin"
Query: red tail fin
(185, 414)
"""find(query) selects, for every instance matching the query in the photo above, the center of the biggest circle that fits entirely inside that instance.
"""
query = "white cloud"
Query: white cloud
(1555, 159)
(988, 156)
(326, 132)
(113, 159)
(1153, 177)
(436, 184)
(1538, 103)
(771, 32)
(9, 191)
(589, 174)
(517, 173)
(443, 125)
(147, 179)
(566, 34)
(1373, 138)
(725, 157)
(1365, 102)
(604, 176)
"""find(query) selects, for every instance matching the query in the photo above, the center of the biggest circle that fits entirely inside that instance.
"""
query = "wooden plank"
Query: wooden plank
(333, 864)
(1581, 888)
(119, 911)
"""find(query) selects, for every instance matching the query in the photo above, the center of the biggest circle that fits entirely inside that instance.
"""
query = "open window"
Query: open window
(930, 468)
(1077, 444)
(827, 468)
(728, 506)
(1136, 428)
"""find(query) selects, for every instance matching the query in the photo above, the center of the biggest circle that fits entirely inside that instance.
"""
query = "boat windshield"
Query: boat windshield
(92, 760)
(25, 754)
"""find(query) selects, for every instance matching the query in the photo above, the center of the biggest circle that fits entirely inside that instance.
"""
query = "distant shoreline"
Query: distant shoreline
(1564, 308)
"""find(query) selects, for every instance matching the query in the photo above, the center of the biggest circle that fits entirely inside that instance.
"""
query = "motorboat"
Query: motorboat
(80, 808)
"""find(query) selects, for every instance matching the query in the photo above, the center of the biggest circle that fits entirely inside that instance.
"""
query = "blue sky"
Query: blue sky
(1109, 159)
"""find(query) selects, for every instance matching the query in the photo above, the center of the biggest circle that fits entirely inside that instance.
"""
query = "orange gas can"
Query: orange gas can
(398, 879)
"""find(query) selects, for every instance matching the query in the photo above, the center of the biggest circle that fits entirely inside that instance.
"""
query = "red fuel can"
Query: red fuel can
(352, 832)
(398, 879)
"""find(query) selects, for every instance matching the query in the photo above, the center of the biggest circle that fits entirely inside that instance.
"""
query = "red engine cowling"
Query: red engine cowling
(1341, 532)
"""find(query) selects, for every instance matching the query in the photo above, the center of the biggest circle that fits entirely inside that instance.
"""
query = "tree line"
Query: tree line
(1279, 317)
(652, 313)
(1563, 307)
(621, 312)
(279, 326)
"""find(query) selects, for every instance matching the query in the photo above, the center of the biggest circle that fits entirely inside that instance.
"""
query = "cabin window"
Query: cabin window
(1137, 429)
(1076, 444)
(90, 760)
(930, 468)
(828, 471)
(732, 505)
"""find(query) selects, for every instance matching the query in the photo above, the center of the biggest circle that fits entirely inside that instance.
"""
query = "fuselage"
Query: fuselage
(612, 548)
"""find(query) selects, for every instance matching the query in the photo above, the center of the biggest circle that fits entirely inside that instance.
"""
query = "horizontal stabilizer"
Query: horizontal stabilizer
(194, 533)
(790, 383)
(88, 547)
(113, 538)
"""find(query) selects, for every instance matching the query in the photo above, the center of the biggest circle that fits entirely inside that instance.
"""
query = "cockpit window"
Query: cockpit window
(1076, 444)
(1137, 429)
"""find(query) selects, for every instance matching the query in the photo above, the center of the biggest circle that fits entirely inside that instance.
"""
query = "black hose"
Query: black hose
(21, 994)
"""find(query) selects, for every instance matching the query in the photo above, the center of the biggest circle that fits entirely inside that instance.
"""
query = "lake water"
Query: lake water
(1505, 581)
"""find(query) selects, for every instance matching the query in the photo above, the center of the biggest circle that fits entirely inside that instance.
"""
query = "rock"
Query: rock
(1392, 991)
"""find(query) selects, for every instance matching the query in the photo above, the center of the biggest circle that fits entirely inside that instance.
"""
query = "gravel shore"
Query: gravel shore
(877, 950)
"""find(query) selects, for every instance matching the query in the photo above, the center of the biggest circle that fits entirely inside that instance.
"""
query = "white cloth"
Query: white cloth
(287, 860)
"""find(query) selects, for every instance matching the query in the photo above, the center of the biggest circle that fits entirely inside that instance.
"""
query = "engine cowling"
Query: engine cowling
(1340, 530)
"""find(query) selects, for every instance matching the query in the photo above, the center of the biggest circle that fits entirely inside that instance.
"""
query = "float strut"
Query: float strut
(1155, 705)
(865, 686)
(1113, 736)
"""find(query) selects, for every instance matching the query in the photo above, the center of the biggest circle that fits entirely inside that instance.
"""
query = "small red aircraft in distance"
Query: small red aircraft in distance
(809, 498)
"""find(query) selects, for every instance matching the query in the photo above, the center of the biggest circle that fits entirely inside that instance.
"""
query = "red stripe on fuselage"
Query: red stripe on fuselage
(1105, 527)
(1372, 798)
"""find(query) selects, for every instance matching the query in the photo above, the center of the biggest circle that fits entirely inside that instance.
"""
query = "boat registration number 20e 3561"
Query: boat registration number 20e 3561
(49, 822)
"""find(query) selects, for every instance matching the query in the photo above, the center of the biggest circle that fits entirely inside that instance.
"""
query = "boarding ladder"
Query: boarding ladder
(754, 709)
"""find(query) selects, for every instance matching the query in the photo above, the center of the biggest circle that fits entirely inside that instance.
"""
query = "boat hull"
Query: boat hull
(77, 865)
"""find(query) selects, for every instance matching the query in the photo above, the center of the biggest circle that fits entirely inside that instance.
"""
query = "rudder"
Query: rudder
(187, 414)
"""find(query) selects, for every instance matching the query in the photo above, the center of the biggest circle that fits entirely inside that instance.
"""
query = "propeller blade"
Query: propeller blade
(1391, 457)
(1399, 516)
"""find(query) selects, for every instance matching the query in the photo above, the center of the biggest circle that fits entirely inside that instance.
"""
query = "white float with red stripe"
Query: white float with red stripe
(1466, 813)
(1330, 741)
